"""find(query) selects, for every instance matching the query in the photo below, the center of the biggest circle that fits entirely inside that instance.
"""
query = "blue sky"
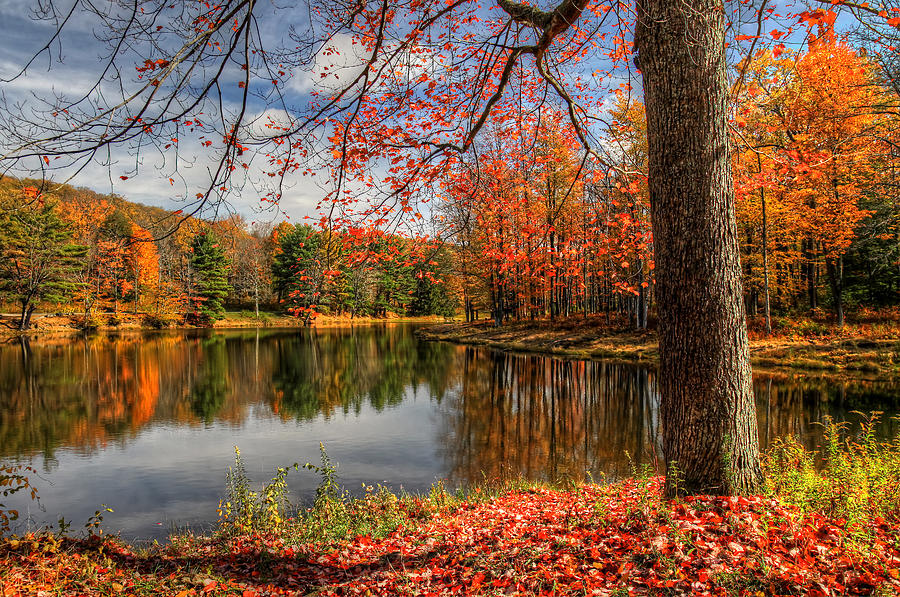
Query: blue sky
(71, 67)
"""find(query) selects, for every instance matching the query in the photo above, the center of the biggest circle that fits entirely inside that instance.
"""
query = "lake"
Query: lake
(147, 423)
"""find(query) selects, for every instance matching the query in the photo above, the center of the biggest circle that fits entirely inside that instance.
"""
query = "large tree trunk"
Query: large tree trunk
(810, 270)
(707, 411)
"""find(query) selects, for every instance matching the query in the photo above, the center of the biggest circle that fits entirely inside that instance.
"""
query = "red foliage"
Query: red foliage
(588, 541)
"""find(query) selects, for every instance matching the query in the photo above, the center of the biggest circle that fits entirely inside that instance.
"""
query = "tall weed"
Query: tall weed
(245, 511)
(333, 515)
(853, 476)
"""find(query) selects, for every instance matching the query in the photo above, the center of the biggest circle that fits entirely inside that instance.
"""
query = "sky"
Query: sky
(73, 67)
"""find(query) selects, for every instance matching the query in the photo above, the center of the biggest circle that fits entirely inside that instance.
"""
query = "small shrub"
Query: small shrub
(245, 511)
(159, 321)
(333, 516)
(811, 328)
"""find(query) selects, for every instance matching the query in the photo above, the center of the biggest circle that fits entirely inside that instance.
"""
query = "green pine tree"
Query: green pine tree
(210, 278)
(297, 270)
(430, 296)
(38, 260)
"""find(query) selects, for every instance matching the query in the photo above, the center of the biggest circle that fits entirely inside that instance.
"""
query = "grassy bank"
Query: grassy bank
(866, 349)
(57, 324)
(829, 530)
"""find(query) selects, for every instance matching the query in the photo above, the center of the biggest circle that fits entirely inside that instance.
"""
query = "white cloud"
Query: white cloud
(336, 64)
(341, 60)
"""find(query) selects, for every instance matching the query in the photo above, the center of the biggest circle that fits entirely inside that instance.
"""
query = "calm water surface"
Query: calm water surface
(146, 424)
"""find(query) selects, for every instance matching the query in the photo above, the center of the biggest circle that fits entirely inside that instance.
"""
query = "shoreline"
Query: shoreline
(856, 354)
(66, 325)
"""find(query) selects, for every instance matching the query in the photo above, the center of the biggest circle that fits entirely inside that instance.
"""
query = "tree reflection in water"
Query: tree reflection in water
(494, 413)
(563, 419)
(548, 418)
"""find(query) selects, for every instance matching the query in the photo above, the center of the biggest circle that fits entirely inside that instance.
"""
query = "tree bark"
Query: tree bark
(810, 269)
(835, 269)
(709, 430)
(25, 320)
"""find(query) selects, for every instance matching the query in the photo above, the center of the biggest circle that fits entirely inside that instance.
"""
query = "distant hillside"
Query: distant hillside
(156, 220)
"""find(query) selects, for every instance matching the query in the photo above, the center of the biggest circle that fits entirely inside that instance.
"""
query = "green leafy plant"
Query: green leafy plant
(13, 479)
(334, 514)
(853, 476)
(328, 489)
(245, 511)
(92, 526)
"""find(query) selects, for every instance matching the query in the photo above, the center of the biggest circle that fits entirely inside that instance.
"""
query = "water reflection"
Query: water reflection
(557, 419)
(548, 418)
(129, 414)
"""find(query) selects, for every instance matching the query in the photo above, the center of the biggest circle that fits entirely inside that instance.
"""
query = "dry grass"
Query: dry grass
(861, 348)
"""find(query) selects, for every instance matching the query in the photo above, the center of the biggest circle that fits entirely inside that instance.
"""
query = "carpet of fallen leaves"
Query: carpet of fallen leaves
(594, 540)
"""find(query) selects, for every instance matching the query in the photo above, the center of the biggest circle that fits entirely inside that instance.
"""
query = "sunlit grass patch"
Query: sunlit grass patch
(853, 476)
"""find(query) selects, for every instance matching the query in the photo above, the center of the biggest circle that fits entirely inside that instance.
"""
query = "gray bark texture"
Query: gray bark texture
(709, 429)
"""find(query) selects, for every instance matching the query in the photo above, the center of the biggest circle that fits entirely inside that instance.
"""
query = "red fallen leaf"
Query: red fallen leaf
(210, 586)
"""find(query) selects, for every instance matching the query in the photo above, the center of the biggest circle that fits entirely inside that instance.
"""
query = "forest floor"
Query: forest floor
(44, 324)
(601, 540)
(869, 348)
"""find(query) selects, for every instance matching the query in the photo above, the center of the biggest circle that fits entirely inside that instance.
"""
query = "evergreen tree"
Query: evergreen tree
(297, 269)
(211, 277)
(38, 260)
(395, 281)
(431, 296)
(112, 240)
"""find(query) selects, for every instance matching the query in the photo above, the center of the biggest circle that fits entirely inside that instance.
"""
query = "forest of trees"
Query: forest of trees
(531, 230)
(766, 133)
(539, 233)
(99, 256)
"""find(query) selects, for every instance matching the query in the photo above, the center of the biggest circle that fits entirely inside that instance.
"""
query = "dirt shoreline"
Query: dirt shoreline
(63, 325)
(861, 355)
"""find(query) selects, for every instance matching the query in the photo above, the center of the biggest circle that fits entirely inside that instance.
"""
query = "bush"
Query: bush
(245, 511)
(159, 321)
(809, 327)
(854, 476)
(334, 515)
